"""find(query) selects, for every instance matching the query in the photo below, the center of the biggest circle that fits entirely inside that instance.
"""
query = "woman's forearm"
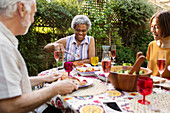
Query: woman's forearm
(49, 47)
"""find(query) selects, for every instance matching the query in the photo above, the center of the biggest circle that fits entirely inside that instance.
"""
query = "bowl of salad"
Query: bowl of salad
(121, 79)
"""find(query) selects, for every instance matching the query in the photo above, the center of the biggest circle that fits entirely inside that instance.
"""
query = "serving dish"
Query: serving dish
(87, 71)
(126, 82)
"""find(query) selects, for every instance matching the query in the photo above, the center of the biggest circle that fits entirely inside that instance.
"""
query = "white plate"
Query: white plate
(84, 65)
(88, 65)
(157, 79)
(164, 85)
(54, 71)
(86, 73)
(47, 72)
(89, 81)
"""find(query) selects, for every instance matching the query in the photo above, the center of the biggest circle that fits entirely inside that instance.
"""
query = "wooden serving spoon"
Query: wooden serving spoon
(137, 64)
(137, 56)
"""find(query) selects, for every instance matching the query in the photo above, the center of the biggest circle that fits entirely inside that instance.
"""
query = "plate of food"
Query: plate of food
(80, 64)
(52, 71)
(165, 83)
(79, 81)
(87, 71)
(156, 80)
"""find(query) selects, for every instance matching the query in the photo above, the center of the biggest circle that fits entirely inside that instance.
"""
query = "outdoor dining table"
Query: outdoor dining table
(94, 98)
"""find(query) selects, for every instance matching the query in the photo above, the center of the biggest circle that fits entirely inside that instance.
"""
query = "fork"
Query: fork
(74, 55)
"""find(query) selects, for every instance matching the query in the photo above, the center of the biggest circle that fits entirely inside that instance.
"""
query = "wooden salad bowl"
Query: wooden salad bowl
(126, 82)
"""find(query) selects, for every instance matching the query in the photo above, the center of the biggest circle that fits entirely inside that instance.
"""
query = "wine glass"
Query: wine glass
(68, 66)
(113, 51)
(106, 63)
(144, 87)
(161, 58)
(94, 60)
(57, 54)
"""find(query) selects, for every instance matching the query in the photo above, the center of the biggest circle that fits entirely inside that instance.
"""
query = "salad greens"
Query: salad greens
(127, 71)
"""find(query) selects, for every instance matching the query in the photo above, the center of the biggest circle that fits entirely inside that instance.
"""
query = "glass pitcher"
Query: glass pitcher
(105, 47)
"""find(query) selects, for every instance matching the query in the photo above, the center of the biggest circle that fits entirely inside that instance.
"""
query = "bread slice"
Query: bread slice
(75, 80)
(156, 80)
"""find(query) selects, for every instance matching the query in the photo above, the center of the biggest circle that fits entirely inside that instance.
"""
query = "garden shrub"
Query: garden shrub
(54, 15)
(119, 21)
(134, 15)
(123, 22)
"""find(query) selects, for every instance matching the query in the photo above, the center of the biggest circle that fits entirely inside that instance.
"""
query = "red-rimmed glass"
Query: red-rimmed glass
(68, 66)
(144, 87)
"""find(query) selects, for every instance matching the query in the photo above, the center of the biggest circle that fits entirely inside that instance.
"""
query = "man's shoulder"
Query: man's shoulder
(3, 39)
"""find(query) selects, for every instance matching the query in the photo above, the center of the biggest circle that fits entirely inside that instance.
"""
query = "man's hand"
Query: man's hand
(51, 77)
(65, 87)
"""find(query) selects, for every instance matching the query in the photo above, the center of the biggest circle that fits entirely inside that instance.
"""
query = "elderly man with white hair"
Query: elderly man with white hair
(78, 43)
(16, 95)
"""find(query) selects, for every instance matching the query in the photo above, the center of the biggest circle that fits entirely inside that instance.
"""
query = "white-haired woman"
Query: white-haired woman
(78, 43)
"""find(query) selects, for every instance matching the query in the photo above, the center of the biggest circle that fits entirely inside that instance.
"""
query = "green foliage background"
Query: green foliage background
(120, 22)
(52, 21)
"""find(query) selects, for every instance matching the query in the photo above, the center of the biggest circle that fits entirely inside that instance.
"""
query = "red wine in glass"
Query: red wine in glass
(113, 53)
(161, 57)
(106, 65)
(68, 66)
(56, 55)
(144, 87)
(161, 64)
